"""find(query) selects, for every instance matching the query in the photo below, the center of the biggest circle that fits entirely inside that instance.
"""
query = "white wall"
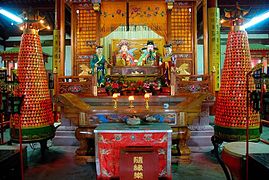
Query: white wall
(68, 68)
(200, 59)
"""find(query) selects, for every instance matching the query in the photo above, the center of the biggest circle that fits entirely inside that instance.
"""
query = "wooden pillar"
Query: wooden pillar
(62, 38)
(73, 38)
(194, 40)
(56, 38)
(205, 36)
(214, 42)
(57, 14)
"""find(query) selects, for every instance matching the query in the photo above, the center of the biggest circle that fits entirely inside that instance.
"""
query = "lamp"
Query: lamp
(170, 4)
(256, 20)
(10, 15)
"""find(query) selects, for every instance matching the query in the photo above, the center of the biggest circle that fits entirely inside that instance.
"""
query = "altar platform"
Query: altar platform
(128, 151)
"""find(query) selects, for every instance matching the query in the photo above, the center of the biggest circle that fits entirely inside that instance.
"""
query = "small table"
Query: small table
(258, 166)
(113, 138)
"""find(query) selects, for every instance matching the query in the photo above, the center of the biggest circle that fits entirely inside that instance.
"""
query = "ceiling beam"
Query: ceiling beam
(23, 5)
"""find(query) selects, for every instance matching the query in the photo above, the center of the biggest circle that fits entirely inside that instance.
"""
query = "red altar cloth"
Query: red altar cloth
(112, 138)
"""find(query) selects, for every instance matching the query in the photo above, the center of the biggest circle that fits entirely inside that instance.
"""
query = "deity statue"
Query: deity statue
(97, 64)
(168, 63)
(125, 56)
(149, 56)
(85, 72)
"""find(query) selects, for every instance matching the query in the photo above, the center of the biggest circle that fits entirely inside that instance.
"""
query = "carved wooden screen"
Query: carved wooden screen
(84, 32)
(183, 33)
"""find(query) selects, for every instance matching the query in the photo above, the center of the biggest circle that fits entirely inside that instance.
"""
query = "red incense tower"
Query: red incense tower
(35, 119)
(231, 108)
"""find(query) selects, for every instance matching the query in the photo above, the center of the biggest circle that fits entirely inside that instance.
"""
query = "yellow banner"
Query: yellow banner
(56, 50)
(214, 44)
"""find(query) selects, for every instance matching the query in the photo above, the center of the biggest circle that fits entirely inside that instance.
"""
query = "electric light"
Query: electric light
(256, 20)
(11, 16)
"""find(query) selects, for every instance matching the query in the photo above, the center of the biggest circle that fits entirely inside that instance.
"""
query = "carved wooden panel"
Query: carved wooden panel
(79, 85)
(183, 33)
(192, 84)
(84, 33)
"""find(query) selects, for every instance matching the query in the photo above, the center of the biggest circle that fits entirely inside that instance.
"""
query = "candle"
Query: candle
(115, 95)
(131, 98)
(146, 96)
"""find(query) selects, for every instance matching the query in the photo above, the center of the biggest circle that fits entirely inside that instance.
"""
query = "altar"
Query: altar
(148, 49)
(112, 138)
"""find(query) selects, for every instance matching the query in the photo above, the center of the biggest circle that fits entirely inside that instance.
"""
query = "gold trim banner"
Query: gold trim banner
(56, 50)
(214, 44)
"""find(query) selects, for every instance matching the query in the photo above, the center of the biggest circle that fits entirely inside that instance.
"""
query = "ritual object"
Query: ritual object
(232, 112)
(36, 118)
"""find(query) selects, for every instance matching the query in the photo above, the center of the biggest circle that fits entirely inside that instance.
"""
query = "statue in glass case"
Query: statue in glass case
(125, 56)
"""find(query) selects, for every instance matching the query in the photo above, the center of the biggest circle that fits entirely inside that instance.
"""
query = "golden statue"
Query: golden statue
(86, 71)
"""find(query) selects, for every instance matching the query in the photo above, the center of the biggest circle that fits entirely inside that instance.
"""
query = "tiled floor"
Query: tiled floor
(59, 164)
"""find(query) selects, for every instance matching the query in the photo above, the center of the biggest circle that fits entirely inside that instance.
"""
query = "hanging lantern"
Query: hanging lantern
(231, 107)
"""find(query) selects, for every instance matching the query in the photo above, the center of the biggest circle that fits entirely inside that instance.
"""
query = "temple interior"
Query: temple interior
(134, 89)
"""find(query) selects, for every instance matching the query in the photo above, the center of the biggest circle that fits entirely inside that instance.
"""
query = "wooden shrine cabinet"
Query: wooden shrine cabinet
(84, 33)
(182, 33)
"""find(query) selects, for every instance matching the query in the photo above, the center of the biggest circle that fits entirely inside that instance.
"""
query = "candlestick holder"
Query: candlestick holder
(115, 103)
(146, 96)
(131, 104)
(131, 99)
(115, 100)
(147, 103)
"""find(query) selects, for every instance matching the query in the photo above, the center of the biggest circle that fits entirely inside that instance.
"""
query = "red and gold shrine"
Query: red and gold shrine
(232, 113)
(113, 139)
(36, 118)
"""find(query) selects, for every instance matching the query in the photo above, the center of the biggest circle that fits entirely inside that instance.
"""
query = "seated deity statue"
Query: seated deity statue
(149, 56)
(125, 56)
